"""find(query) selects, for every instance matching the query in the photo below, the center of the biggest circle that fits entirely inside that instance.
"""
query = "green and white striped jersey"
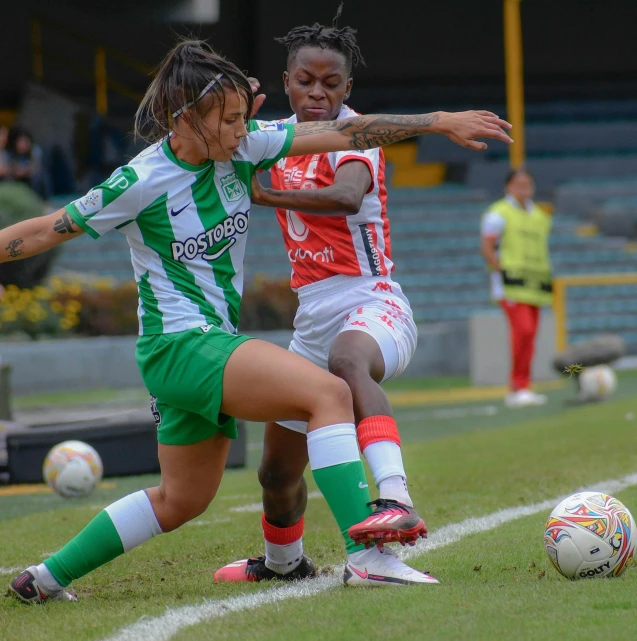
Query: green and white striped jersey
(186, 226)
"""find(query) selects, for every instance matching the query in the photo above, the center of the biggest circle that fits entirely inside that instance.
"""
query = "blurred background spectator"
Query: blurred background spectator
(515, 235)
(26, 161)
(4, 154)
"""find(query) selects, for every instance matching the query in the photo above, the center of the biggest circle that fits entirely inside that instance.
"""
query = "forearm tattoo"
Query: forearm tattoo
(64, 225)
(13, 246)
(366, 132)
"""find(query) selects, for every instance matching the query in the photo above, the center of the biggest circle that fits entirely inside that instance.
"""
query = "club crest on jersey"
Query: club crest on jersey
(233, 188)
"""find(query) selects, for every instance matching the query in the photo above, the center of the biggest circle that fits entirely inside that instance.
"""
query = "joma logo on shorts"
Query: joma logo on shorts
(202, 244)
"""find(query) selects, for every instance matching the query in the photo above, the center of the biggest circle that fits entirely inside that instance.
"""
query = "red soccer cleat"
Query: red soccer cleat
(256, 570)
(390, 522)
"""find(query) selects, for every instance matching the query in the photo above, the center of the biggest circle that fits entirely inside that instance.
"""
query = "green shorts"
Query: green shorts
(183, 372)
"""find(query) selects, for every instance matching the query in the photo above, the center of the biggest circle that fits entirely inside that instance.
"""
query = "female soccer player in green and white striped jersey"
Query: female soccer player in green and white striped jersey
(184, 206)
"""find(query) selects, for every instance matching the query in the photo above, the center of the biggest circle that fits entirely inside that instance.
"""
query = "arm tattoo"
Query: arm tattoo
(64, 225)
(12, 247)
(366, 132)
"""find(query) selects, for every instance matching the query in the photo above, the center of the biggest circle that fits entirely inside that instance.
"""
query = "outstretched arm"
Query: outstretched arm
(366, 132)
(342, 198)
(36, 235)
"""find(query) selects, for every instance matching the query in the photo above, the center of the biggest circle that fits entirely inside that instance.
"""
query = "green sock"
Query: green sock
(339, 484)
(118, 528)
(340, 475)
(97, 544)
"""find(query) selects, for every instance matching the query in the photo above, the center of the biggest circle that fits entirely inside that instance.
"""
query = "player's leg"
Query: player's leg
(281, 476)
(284, 501)
(373, 346)
(294, 388)
(186, 378)
(262, 381)
(190, 478)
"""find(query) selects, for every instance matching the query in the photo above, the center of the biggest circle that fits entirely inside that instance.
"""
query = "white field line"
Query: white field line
(258, 507)
(11, 570)
(167, 625)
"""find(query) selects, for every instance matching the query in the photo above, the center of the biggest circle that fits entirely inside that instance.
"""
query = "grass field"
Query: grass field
(467, 458)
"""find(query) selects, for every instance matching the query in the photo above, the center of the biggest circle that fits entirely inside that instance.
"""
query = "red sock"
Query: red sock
(377, 428)
(282, 535)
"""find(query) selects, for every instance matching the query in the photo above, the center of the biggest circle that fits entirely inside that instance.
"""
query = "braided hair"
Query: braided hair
(342, 40)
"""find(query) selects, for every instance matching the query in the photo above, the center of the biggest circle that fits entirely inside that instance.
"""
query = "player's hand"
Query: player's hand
(464, 127)
(259, 99)
(258, 196)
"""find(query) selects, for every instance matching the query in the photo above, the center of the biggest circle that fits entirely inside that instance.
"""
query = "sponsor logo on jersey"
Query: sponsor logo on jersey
(293, 176)
(220, 239)
(233, 189)
(91, 203)
(324, 256)
(297, 229)
(373, 255)
(270, 126)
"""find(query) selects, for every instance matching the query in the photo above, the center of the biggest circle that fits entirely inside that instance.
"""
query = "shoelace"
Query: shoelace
(388, 504)
(252, 562)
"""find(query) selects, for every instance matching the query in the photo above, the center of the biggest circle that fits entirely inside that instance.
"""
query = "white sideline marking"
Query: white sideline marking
(167, 625)
(11, 570)
(453, 532)
(258, 507)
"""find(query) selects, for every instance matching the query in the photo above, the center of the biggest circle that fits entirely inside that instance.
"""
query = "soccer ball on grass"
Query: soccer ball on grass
(72, 469)
(597, 383)
(590, 535)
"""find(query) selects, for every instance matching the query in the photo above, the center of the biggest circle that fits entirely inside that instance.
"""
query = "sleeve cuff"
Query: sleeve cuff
(289, 136)
(362, 159)
(81, 222)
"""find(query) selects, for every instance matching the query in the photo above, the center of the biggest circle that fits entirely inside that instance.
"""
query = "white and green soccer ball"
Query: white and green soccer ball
(590, 535)
(72, 469)
(597, 383)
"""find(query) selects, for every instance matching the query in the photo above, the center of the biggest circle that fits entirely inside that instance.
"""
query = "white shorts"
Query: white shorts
(370, 304)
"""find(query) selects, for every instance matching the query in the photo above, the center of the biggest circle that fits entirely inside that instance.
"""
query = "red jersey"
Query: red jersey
(323, 246)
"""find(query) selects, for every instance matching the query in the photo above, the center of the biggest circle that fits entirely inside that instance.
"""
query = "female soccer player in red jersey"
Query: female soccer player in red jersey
(353, 318)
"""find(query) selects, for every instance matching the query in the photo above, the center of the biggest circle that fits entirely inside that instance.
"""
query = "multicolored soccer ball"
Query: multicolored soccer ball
(590, 535)
(72, 469)
(597, 383)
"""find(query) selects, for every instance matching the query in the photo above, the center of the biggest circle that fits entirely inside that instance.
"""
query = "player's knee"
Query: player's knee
(347, 367)
(335, 393)
(179, 509)
(276, 477)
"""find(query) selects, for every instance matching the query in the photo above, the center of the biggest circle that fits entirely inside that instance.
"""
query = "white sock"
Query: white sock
(332, 445)
(47, 580)
(395, 488)
(386, 463)
(283, 558)
(134, 519)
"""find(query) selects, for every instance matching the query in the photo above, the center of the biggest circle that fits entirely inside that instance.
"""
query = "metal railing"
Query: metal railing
(562, 283)
(98, 74)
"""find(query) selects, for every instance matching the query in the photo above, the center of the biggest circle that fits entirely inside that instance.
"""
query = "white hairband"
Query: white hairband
(204, 91)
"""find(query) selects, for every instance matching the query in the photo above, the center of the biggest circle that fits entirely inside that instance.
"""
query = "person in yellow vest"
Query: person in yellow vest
(515, 234)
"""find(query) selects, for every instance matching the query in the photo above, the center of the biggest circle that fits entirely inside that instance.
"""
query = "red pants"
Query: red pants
(523, 324)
